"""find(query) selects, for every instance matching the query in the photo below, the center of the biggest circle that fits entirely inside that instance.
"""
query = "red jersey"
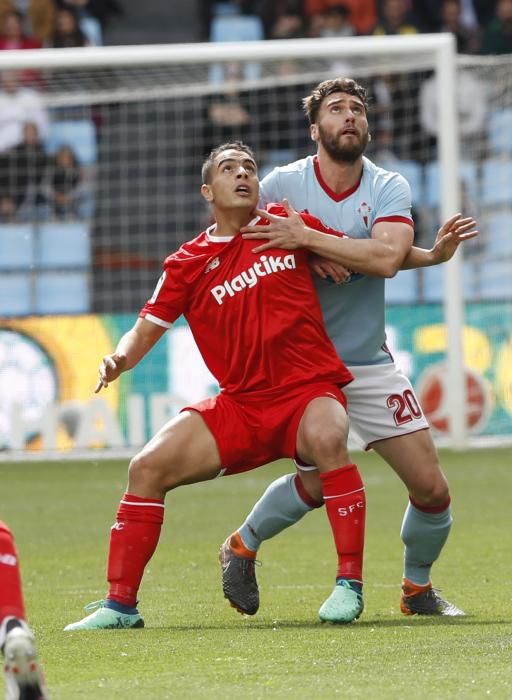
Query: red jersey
(255, 317)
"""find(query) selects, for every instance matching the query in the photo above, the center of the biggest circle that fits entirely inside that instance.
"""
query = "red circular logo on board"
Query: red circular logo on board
(433, 389)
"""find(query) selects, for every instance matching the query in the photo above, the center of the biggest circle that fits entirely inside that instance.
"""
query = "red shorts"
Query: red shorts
(252, 431)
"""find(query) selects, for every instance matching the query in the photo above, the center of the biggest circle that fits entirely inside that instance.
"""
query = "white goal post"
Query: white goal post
(104, 80)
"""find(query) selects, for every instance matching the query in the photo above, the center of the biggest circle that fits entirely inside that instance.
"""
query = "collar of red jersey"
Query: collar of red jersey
(224, 239)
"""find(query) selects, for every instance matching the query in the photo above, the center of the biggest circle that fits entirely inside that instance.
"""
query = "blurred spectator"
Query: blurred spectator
(102, 10)
(19, 105)
(38, 16)
(395, 18)
(283, 19)
(497, 37)
(484, 10)
(21, 173)
(63, 184)
(394, 117)
(333, 22)
(67, 32)
(12, 35)
(398, 94)
(228, 114)
(282, 126)
(363, 13)
(471, 110)
(204, 14)
(41, 16)
(475, 14)
(228, 118)
(288, 26)
(381, 119)
(468, 38)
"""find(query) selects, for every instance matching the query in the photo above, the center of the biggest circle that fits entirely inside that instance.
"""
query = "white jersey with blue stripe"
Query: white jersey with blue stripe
(353, 312)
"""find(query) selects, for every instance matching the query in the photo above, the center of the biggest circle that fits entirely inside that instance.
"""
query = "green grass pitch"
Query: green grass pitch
(195, 646)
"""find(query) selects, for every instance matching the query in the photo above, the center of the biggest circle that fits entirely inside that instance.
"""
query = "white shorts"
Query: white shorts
(382, 404)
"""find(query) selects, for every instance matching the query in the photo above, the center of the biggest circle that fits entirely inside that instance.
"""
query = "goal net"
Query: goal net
(89, 214)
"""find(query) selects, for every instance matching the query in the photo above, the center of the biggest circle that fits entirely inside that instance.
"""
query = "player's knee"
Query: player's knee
(144, 473)
(434, 494)
(328, 443)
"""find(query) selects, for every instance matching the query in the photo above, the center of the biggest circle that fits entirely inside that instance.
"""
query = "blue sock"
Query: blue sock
(356, 586)
(120, 608)
(278, 508)
(423, 535)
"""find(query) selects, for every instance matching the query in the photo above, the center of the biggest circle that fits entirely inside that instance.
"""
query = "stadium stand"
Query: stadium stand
(17, 247)
(495, 185)
(64, 245)
(468, 178)
(413, 173)
(62, 292)
(433, 282)
(57, 256)
(492, 282)
(498, 238)
(16, 294)
(499, 132)
(402, 288)
(233, 27)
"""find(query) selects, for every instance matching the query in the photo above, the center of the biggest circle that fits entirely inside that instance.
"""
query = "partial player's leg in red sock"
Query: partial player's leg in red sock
(345, 503)
(23, 673)
(11, 594)
(133, 540)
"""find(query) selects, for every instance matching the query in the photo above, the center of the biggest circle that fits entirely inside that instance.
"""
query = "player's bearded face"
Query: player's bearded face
(340, 149)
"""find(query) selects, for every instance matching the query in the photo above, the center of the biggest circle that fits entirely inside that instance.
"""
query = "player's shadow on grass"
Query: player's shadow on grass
(247, 624)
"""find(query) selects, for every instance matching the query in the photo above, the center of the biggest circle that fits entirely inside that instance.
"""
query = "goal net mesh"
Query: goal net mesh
(140, 134)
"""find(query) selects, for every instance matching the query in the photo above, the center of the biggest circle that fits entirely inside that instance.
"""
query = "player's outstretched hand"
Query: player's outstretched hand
(451, 234)
(286, 232)
(110, 369)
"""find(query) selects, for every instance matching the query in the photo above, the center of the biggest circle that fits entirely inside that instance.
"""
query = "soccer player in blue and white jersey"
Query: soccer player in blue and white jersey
(349, 193)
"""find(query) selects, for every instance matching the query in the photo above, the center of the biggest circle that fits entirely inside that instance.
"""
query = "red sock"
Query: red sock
(11, 594)
(133, 539)
(345, 502)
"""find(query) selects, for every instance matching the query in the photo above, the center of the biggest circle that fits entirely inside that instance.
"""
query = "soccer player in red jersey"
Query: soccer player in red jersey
(23, 674)
(259, 327)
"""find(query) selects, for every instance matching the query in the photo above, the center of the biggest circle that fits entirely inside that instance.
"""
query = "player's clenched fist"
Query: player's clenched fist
(110, 369)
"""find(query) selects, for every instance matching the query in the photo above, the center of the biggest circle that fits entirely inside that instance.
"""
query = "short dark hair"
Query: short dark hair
(313, 101)
(233, 146)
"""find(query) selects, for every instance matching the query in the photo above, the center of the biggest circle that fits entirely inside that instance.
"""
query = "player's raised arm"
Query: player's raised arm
(129, 351)
(451, 234)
